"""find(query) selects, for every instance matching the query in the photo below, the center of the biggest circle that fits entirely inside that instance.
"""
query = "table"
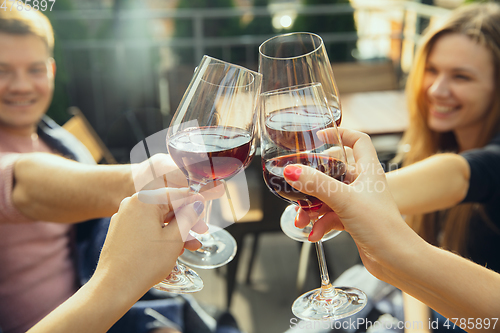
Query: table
(375, 113)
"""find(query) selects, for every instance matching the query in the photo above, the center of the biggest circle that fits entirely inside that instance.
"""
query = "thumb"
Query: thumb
(185, 219)
(318, 184)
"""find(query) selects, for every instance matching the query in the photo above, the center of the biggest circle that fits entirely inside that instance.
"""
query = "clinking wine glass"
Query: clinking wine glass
(290, 119)
(218, 246)
(211, 136)
(294, 59)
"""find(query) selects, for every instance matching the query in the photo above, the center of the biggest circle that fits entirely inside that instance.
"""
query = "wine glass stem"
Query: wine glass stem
(327, 289)
(207, 240)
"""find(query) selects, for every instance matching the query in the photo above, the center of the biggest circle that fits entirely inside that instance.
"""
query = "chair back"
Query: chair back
(79, 126)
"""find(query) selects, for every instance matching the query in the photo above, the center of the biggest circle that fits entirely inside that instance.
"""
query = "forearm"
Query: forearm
(417, 313)
(438, 182)
(52, 188)
(450, 284)
(93, 308)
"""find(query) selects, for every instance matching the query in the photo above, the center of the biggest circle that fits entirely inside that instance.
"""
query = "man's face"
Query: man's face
(26, 81)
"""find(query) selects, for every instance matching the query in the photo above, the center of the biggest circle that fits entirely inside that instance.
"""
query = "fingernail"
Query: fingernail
(296, 220)
(198, 207)
(292, 172)
(310, 236)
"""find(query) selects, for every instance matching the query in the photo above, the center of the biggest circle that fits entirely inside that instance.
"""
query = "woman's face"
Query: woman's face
(458, 85)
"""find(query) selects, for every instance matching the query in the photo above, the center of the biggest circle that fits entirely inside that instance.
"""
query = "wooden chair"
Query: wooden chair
(79, 126)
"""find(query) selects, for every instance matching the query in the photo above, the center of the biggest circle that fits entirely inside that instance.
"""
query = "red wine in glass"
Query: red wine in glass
(295, 128)
(273, 176)
(211, 152)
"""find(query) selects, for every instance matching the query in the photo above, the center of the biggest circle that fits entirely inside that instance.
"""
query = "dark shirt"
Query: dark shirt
(484, 188)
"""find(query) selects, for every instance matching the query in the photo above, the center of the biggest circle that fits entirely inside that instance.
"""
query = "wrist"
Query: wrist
(121, 186)
(403, 255)
(115, 288)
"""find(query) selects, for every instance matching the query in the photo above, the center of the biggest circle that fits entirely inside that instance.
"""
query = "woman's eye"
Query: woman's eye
(462, 77)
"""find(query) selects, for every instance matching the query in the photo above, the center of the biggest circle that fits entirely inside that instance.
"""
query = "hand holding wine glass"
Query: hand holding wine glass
(292, 121)
(294, 59)
(211, 136)
(356, 201)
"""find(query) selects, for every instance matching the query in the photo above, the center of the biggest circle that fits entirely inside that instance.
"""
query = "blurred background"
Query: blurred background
(126, 64)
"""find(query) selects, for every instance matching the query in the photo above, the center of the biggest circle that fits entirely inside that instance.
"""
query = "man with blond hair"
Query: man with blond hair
(37, 268)
(45, 175)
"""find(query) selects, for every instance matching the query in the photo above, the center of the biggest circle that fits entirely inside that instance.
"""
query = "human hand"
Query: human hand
(160, 171)
(139, 249)
(154, 172)
(329, 219)
(363, 206)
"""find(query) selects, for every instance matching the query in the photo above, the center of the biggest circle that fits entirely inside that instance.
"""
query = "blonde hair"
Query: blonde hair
(481, 23)
(26, 22)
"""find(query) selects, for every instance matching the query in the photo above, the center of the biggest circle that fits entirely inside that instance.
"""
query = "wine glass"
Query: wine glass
(290, 119)
(218, 246)
(294, 59)
(211, 135)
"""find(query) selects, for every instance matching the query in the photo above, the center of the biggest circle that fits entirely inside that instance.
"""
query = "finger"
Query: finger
(213, 190)
(185, 219)
(170, 199)
(351, 174)
(192, 245)
(363, 149)
(327, 222)
(337, 152)
(164, 165)
(149, 173)
(313, 182)
(200, 227)
(349, 154)
(302, 219)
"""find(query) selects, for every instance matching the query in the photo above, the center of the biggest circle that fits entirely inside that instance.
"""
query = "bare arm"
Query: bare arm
(416, 312)
(51, 188)
(129, 263)
(390, 249)
(438, 182)
(453, 286)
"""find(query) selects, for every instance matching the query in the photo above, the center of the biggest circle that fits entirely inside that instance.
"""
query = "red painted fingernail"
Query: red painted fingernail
(310, 235)
(295, 221)
(292, 172)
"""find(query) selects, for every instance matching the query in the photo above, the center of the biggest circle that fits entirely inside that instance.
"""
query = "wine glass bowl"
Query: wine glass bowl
(290, 120)
(293, 59)
(298, 58)
(292, 125)
(211, 136)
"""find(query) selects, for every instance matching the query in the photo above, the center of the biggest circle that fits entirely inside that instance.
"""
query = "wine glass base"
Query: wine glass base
(287, 223)
(182, 280)
(218, 248)
(313, 306)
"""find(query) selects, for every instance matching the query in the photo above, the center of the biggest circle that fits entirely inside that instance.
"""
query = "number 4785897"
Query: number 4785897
(471, 323)
(28, 5)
